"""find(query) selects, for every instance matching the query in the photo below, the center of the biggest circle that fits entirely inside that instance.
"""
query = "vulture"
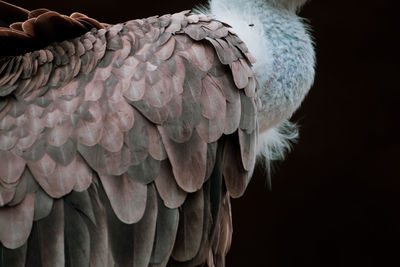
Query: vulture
(122, 145)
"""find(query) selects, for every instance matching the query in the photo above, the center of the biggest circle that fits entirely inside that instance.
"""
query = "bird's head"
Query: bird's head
(291, 5)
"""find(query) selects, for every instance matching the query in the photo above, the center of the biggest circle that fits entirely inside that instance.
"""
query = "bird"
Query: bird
(122, 145)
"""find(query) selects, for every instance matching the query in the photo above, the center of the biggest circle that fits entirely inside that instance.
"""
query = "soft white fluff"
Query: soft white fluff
(274, 143)
(279, 41)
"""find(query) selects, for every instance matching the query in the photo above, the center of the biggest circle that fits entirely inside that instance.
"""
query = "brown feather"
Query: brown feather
(81, 201)
(146, 171)
(100, 253)
(236, 177)
(16, 222)
(195, 32)
(248, 149)
(248, 120)
(11, 166)
(144, 231)
(172, 195)
(156, 147)
(212, 99)
(105, 162)
(190, 228)
(225, 55)
(166, 50)
(166, 229)
(26, 185)
(90, 133)
(188, 161)
(58, 180)
(127, 197)
(13, 257)
(211, 158)
(77, 239)
(112, 138)
(212, 125)
(136, 89)
(159, 93)
(199, 54)
(51, 236)
(154, 114)
(63, 154)
(43, 205)
(180, 130)
(139, 102)
(61, 128)
(6, 194)
(122, 114)
(233, 114)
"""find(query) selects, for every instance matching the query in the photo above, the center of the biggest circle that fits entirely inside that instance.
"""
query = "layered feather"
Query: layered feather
(116, 144)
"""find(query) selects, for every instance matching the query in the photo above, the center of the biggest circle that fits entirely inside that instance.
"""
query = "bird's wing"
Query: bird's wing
(123, 145)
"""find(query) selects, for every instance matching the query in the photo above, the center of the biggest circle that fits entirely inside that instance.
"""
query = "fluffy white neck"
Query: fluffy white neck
(279, 41)
(282, 47)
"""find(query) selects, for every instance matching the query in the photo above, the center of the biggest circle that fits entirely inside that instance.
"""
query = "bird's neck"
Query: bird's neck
(282, 47)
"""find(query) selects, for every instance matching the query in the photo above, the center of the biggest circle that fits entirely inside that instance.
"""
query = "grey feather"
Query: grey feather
(144, 231)
(167, 226)
(77, 239)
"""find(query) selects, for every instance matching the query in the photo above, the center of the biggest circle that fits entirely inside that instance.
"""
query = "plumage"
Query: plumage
(100, 254)
(121, 145)
(146, 171)
(129, 205)
(63, 154)
(247, 118)
(11, 166)
(171, 194)
(166, 228)
(82, 202)
(248, 147)
(190, 229)
(190, 175)
(26, 184)
(145, 230)
(213, 105)
(236, 177)
(43, 205)
(51, 236)
(14, 257)
(77, 240)
(17, 222)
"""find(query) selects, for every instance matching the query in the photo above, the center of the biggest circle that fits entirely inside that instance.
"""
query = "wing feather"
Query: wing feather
(166, 229)
(43, 205)
(77, 238)
(13, 257)
(190, 228)
(126, 139)
(144, 231)
(100, 252)
(51, 236)
(17, 222)
(171, 194)
(127, 197)
(188, 161)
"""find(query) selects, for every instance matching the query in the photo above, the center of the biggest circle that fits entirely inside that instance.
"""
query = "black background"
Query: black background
(335, 200)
